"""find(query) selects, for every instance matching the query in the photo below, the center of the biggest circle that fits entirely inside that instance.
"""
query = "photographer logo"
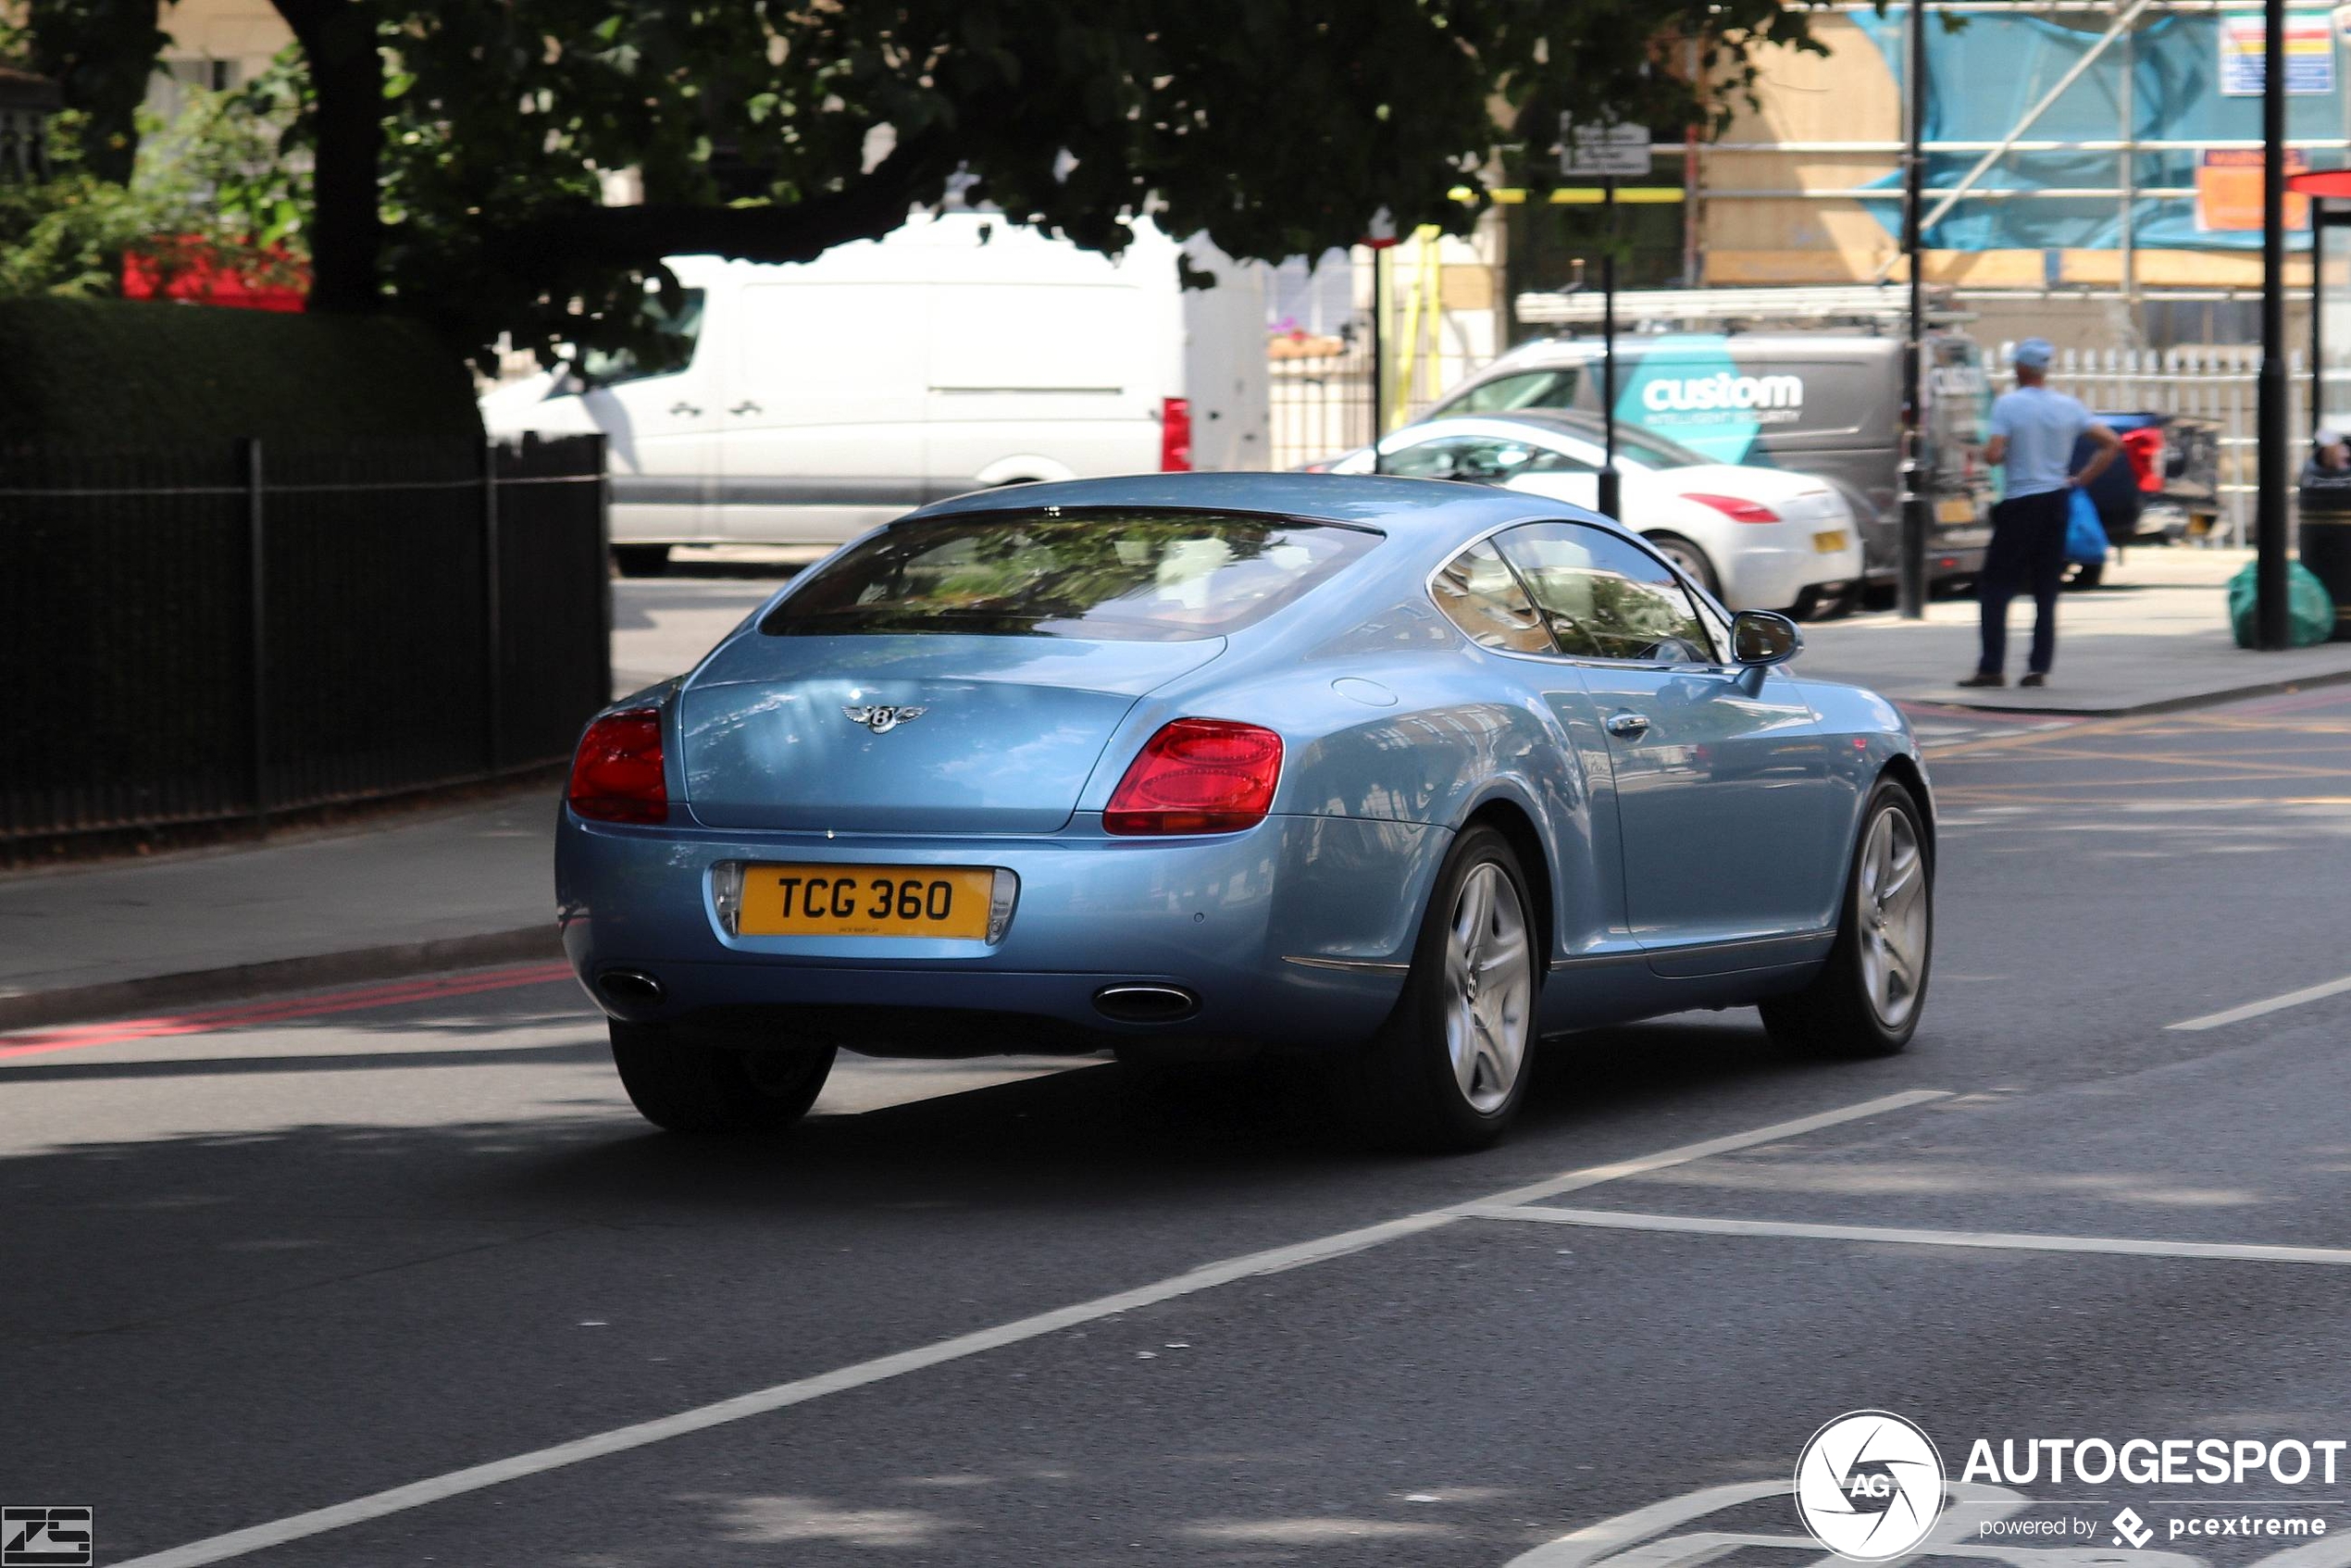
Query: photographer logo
(45, 1538)
(1869, 1486)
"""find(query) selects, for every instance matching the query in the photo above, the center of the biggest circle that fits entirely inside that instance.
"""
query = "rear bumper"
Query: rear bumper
(1774, 575)
(1222, 917)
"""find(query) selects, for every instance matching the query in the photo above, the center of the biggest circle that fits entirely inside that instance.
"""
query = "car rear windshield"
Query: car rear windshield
(1125, 575)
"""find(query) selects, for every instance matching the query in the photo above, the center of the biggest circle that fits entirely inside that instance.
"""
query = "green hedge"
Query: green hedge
(118, 373)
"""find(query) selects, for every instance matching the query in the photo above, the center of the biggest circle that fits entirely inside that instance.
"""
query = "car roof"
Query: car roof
(1435, 505)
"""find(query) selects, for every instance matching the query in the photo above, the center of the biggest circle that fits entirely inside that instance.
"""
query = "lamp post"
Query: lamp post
(2269, 518)
(1912, 587)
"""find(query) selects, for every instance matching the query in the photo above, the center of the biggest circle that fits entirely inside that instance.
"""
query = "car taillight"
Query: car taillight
(2144, 447)
(1734, 507)
(1198, 776)
(1174, 434)
(617, 773)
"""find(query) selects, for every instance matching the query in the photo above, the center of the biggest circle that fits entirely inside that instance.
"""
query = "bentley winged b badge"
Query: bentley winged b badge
(880, 717)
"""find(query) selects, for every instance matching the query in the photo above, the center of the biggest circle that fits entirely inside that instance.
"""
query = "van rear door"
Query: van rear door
(1033, 378)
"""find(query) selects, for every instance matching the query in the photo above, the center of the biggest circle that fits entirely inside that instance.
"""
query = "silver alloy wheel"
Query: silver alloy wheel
(1489, 987)
(1694, 564)
(1893, 912)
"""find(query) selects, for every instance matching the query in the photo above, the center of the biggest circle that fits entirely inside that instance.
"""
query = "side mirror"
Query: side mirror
(1758, 637)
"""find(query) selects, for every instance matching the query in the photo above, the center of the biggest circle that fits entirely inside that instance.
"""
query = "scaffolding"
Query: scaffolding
(2121, 19)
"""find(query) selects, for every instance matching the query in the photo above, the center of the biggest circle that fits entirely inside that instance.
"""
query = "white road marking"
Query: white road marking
(417, 1494)
(2275, 1004)
(2015, 1241)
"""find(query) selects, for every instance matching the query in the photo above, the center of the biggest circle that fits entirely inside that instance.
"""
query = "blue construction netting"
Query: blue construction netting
(1982, 79)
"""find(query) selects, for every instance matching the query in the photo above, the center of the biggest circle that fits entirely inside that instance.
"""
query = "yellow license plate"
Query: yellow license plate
(1829, 543)
(864, 901)
(1955, 509)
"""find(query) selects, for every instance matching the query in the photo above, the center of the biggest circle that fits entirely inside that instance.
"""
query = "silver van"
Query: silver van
(1822, 403)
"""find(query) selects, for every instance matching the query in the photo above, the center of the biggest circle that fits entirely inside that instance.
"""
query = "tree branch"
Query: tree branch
(866, 208)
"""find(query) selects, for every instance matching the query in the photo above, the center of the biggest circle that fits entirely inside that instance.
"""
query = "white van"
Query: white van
(805, 403)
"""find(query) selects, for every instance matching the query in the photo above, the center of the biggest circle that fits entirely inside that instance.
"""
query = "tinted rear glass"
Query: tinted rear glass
(1130, 575)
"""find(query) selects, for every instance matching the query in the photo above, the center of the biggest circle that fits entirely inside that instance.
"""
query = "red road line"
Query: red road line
(284, 1009)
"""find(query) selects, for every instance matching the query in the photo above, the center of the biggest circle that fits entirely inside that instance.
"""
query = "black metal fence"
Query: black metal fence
(212, 634)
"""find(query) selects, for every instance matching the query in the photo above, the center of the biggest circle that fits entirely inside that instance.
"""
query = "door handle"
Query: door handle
(1628, 726)
(745, 406)
(681, 407)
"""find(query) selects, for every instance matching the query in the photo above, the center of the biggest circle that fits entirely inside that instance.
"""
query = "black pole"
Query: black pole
(2318, 404)
(258, 629)
(1611, 492)
(2269, 618)
(1379, 351)
(494, 639)
(1911, 590)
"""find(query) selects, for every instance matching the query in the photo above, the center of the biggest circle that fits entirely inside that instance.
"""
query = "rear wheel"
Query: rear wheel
(1450, 1068)
(1689, 557)
(688, 1081)
(2087, 576)
(1865, 1001)
(641, 560)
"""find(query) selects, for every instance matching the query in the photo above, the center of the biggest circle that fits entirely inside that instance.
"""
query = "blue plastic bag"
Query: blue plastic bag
(2084, 535)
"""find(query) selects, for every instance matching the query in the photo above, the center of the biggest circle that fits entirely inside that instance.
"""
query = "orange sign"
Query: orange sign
(2228, 191)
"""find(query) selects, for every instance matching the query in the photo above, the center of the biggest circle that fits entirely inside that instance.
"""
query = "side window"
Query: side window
(1472, 460)
(1532, 389)
(667, 348)
(1481, 595)
(1549, 460)
(1606, 597)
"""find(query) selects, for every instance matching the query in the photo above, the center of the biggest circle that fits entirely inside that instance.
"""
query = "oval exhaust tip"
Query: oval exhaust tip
(631, 988)
(1140, 1002)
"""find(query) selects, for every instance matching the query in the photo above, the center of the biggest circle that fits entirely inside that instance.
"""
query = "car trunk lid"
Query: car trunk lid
(922, 733)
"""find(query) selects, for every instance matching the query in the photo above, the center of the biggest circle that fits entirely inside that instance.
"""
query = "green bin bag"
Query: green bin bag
(2309, 611)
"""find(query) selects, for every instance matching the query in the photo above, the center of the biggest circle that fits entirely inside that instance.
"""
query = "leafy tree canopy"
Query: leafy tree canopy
(460, 149)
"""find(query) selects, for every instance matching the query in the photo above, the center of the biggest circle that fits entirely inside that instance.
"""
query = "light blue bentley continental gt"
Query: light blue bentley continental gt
(1198, 766)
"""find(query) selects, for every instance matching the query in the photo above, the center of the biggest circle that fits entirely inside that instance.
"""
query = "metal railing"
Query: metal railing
(209, 634)
(1321, 406)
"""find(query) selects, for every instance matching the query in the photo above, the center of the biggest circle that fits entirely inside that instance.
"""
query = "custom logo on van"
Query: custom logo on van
(1693, 394)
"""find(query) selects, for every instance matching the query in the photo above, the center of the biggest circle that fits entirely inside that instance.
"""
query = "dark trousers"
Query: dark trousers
(2026, 555)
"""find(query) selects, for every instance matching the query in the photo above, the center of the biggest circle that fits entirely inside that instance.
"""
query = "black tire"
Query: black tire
(2088, 575)
(641, 560)
(691, 1082)
(1689, 557)
(1406, 1091)
(1838, 1014)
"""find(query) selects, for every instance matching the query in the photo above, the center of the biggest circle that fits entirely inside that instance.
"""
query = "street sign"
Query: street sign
(1603, 151)
(2309, 55)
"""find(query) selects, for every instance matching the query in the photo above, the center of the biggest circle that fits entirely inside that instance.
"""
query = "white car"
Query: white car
(1756, 539)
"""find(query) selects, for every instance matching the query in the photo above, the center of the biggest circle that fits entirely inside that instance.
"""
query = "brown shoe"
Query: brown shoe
(2033, 677)
(1984, 677)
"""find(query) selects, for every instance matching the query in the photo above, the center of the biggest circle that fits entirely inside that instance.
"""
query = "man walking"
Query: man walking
(2033, 431)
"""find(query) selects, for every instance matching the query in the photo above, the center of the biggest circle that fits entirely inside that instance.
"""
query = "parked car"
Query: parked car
(1199, 765)
(1822, 402)
(806, 403)
(1756, 539)
(2166, 487)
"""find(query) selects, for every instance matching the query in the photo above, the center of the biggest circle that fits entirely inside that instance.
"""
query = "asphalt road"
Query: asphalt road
(412, 1241)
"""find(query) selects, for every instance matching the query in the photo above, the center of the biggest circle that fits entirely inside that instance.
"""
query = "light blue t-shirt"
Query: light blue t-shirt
(2042, 427)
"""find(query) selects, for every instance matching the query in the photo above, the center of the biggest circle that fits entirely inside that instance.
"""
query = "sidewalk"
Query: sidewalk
(438, 890)
(2155, 636)
(473, 885)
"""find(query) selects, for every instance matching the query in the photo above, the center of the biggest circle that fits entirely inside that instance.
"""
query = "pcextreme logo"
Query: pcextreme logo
(1869, 1486)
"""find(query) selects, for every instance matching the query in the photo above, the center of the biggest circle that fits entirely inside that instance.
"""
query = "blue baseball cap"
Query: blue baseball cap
(2034, 354)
